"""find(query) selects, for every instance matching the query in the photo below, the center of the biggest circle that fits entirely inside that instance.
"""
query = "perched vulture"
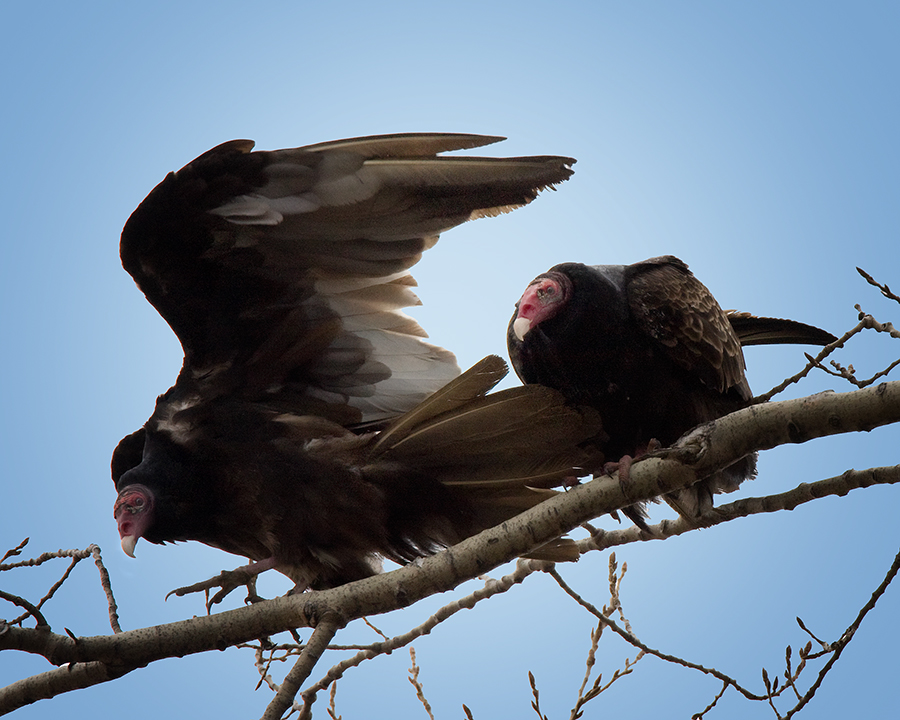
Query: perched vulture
(648, 346)
(312, 428)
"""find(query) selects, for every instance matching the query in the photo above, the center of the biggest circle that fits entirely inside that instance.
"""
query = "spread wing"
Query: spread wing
(678, 311)
(284, 273)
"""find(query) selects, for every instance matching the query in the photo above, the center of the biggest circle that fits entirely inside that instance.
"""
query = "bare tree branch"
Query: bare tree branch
(847, 636)
(524, 568)
(632, 640)
(866, 322)
(615, 605)
(312, 651)
(813, 362)
(849, 373)
(834, 649)
(839, 485)
(706, 449)
(43, 686)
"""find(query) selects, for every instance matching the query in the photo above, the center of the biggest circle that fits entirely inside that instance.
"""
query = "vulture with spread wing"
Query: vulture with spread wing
(648, 346)
(312, 428)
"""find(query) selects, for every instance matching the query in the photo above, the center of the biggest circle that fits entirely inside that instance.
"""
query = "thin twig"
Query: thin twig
(872, 324)
(262, 666)
(366, 621)
(414, 681)
(492, 587)
(699, 715)
(810, 365)
(790, 676)
(29, 610)
(632, 640)
(107, 589)
(849, 373)
(56, 586)
(615, 605)
(805, 629)
(772, 690)
(866, 322)
(332, 709)
(770, 693)
(589, 663)
(847, 636)
(536, 703)
(885, 290)
(17, 550)
(41, 559)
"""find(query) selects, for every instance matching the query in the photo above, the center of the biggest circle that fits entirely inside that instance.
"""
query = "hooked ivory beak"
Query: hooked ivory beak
(128, 543)
(521, 326)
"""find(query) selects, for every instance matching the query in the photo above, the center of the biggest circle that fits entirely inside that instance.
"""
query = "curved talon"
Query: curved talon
(571, 481)
(621, 466)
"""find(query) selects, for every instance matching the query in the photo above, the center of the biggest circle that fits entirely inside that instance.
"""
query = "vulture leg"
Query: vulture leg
(637, 513)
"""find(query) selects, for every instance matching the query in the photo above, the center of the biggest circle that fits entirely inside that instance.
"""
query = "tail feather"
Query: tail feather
(497, 454)
(559, 550)
(495, 508)
(537, 481)
(521, 436)
(476, 382)
(753, 330)
(526, 420)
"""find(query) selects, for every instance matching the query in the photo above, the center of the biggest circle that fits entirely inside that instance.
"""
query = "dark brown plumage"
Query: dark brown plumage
(648, 346)
(307, 428)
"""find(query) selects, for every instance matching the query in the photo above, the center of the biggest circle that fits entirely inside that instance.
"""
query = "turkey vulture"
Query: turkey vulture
(312, 428)
(648, 346)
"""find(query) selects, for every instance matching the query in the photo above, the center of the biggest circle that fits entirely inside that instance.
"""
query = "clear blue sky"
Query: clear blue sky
(758, 142)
